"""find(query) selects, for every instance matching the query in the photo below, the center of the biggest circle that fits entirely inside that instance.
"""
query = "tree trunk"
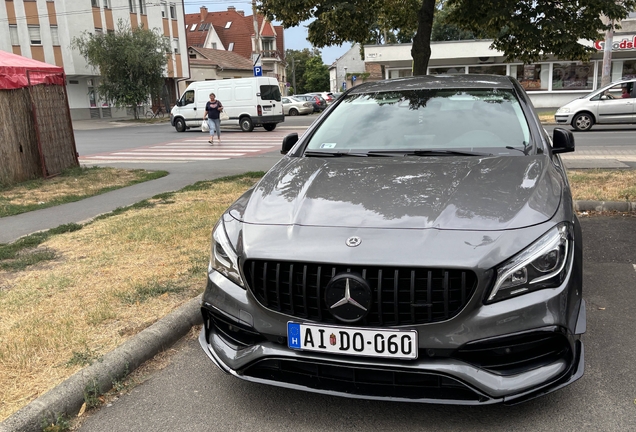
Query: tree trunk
(421, 49)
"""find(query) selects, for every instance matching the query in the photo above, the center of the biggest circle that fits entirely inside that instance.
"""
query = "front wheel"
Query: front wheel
(583, 122)
(269, 126)
(179, 125)
(149, 114)
(160, 114)
(246, 124)
(293, 112)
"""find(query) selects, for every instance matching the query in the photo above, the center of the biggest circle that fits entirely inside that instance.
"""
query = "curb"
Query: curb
(68, 396)
(605, 206)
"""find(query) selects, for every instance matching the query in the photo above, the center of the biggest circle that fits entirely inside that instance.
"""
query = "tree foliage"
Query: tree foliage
(527, 31)
(316, 75)
(444, 30)
(524, 30)
(131, 62)
(311, 74)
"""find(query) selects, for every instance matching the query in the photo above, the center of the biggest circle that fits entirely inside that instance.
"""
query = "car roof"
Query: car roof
(436, 82)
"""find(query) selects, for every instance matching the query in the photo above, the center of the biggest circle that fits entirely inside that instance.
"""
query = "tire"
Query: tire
(269, 126)
(583, 122)
(293, 112)
(246, 124)
(179, 125)
(149, 114)
(160, 114)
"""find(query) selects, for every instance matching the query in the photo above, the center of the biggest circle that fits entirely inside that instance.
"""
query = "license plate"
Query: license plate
(399, 344)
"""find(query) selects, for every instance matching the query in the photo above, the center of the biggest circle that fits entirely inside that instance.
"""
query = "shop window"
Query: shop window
(621, 69)
(400, 73)
(572, 76)
(488, 69)
(447, 70)
(531, 77)
(629, 69)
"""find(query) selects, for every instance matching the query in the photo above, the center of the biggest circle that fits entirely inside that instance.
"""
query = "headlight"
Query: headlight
(223, 257)
(541, 265)
(563, 110)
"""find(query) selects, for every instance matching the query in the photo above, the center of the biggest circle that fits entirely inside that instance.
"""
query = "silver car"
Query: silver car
(294, 107)
(417, 243)
(613, 104)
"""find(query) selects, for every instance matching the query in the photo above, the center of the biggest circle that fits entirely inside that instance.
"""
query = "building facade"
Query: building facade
(550, 83)
(252, 37)
(44, 30)
(350, 70)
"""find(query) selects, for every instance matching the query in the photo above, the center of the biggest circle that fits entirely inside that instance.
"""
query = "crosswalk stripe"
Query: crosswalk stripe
(168, 154)
(159, 158)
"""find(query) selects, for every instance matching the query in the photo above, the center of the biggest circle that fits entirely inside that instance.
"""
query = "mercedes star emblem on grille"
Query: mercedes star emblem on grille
(353, 241)
(348, 297)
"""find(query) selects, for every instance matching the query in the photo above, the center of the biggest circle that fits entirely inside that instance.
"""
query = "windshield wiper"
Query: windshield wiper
(526, 148)
(439, 152)
(340, 153)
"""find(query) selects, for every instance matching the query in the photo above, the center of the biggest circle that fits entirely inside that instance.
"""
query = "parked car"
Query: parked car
(317, 101)
(612, 104)
(294, 107)
(327, 96)
(397, 253)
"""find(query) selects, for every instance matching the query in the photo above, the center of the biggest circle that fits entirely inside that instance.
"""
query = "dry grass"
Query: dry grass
(603, 185)
(110, 280)
(74, 184)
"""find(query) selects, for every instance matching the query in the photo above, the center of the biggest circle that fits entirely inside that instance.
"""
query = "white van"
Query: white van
(249, 102)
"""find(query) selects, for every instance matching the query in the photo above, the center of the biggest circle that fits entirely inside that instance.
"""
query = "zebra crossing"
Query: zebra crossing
(195, 148)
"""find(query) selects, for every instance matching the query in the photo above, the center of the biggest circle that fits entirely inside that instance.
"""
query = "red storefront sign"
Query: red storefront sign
(626, 43)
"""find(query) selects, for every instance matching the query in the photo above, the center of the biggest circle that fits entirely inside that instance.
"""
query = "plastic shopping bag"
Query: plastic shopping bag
(205, 127)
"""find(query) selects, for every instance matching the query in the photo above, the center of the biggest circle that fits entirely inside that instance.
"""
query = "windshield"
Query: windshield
(485, 121)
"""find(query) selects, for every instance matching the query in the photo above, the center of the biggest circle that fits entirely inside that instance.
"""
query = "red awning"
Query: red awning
(14, 69)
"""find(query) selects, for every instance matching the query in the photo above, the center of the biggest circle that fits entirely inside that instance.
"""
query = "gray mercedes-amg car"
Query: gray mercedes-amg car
(417, 243)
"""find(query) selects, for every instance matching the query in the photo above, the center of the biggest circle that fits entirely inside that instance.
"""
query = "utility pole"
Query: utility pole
(256, 29)
(606, 77)
(294, 75)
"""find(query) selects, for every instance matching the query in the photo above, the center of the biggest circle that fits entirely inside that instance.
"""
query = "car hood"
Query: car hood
(476, 193)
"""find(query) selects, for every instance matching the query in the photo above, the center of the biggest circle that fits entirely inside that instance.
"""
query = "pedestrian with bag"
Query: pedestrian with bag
(213, 109)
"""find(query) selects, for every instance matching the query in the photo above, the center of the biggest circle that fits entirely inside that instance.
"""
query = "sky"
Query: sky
(295, 38)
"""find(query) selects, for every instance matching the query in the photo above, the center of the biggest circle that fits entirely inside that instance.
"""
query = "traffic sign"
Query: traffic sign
(353, 78)
(258, 71)
(344, 85)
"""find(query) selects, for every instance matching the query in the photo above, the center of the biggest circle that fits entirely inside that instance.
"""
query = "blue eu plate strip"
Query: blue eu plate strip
(293, 335)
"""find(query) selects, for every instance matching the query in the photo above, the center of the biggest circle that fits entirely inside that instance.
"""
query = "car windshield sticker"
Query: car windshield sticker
(328, 145)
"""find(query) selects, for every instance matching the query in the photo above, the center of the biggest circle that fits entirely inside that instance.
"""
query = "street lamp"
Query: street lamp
(345, 78)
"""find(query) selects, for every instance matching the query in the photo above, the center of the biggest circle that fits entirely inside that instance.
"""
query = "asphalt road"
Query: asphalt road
(191, 394)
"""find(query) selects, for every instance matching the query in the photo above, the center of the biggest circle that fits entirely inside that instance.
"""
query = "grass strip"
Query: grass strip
(72, 185)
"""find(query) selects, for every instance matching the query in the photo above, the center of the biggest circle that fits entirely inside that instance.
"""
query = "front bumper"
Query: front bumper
(563, 118)
(248, 341)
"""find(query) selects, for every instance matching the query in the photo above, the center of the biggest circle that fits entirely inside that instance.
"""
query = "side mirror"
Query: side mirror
(562, 141)
(288, 143)
(178, 102)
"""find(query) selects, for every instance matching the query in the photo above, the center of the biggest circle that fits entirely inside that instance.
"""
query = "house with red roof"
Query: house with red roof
(256, 40)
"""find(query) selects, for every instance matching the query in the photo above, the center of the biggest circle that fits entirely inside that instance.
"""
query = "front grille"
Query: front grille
(363, 381)
(401, 296)
(515, 354)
